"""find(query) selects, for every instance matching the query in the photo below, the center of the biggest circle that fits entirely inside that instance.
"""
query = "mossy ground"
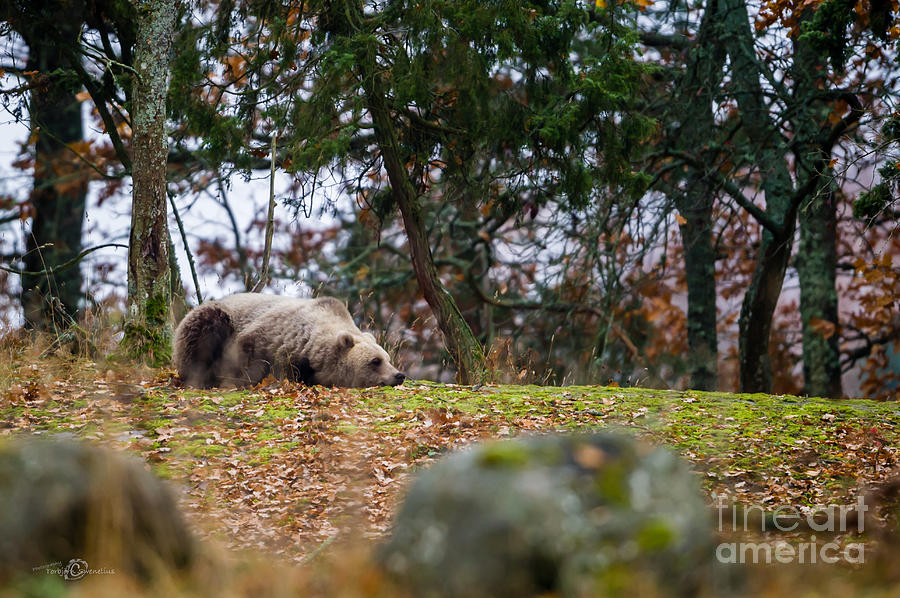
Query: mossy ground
(289, 468)
(749, 437)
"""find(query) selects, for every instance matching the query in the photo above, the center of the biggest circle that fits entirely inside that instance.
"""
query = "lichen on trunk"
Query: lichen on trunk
(700, 274)
(149, 321)
(816, 268)
(817, 257)
(699, 90)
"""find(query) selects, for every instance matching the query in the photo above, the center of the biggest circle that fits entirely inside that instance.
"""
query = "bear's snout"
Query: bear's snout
(399, 377)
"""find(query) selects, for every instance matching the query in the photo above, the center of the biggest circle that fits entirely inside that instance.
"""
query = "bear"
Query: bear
(241, 339)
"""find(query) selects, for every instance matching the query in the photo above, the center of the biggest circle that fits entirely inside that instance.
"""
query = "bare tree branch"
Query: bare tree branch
(270, 224)
(64, 265)
(187, 248)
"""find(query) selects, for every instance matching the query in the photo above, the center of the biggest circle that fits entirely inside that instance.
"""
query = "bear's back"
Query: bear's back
(247, 308)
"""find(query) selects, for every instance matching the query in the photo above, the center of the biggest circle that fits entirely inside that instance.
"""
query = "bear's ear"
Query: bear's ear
(345, 341)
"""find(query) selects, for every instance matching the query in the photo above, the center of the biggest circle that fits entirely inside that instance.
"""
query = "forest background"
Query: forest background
(669, 194)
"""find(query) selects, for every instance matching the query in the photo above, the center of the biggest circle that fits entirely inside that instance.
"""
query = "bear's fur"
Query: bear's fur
(241, 339)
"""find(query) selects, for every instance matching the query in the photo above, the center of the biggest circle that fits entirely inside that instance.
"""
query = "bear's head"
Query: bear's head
(359, 362)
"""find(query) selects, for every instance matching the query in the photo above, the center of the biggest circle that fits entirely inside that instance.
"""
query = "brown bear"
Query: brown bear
(242, 338)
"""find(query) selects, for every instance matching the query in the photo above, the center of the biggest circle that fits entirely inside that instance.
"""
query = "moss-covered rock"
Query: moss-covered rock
(71, 507)
(583, 515)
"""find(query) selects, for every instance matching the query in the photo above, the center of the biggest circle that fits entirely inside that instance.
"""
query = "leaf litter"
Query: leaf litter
(288, 469)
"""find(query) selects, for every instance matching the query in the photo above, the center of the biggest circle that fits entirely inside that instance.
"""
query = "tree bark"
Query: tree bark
(149, 321)
(761, 298)
(758, 308)
(465, 350)
(817, 258)
(698, 89)
(51, 301)
(817, 266)
(700, 273)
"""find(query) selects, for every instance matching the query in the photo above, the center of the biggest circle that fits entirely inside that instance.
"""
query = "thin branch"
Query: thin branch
(222, 199)
(655, 39)
(417, 120)
(732, 190)
(187, 248)
(558, 308)
(662, 172)
(864, 351)
(20, 89)
(91, 165)
(100, 102)
(62, 266)
(270, 223)
(12, 70)
(841, 127)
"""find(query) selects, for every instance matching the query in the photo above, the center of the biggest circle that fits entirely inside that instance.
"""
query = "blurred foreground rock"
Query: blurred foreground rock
(68, 504)
(591, 515)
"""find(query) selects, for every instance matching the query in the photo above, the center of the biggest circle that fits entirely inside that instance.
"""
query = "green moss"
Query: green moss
(502, 454)
(269, 434)
(731, 437)
(215, 403)
(230, 399)
(147, 344)
(12, 412)
(151, 425)
(707, 424)
(198, 446)
(655, 535)
(263, 454)
(347, 428)
(276, 413)
(612, 482)
(157, 310)
(39, 584)
(165, 470)
(148, 338)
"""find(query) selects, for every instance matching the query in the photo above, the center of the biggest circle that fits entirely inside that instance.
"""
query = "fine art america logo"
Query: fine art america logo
(830, 519)
(74, 570)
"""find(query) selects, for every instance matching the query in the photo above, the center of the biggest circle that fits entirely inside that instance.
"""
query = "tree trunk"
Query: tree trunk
(465, 350)
(50, 300)
(817, 259)
(698, 90)
(816, 265)
(149, 322)
(758, 307)
(700, 272)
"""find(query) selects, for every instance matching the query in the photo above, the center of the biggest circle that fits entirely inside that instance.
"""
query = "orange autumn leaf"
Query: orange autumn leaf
(822, 327)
